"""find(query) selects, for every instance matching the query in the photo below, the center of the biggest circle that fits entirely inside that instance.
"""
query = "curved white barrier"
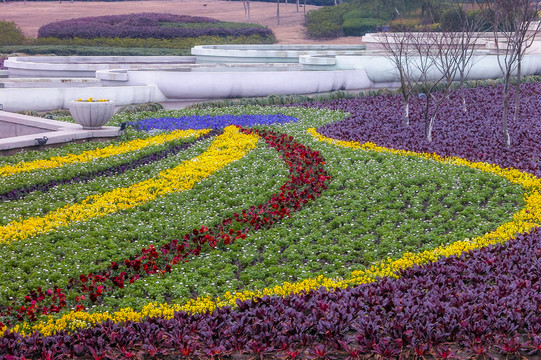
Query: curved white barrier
(85, 66)
(267, 53)
(224, 84)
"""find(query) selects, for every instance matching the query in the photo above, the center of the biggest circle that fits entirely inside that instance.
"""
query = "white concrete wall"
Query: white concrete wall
(380, 69)
(43, 99)
(202, 85)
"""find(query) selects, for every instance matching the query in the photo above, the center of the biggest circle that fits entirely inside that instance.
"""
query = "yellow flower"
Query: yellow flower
(86, 156)
(523, 221)
(226, 148)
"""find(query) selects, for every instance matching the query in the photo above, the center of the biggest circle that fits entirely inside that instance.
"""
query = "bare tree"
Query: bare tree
(435, 64)
(515, 25)
(246, 4)
(427, 64)
(470, 32)
(397, 48)
(278, 11)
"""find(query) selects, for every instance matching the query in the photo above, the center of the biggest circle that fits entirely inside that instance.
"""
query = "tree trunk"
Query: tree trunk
(505, 115)
(517, 91)
(463, 99)
(407, 114)
(297, 3)
(278, 11)
(429, 125)
(429, 121)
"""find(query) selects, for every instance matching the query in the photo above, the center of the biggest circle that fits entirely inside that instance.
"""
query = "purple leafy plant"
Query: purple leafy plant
(485, 302)
(145, 25)
(475, 135)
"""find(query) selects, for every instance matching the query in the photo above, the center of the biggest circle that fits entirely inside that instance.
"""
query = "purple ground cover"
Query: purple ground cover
(475, 135)
(2, 67)
(485, 302)
(146, 25)
(209, 121)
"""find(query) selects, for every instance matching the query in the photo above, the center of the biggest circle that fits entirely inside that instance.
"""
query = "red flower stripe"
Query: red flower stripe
(308, 180)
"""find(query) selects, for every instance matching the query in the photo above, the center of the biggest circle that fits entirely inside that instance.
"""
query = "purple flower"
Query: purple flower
(209, 121)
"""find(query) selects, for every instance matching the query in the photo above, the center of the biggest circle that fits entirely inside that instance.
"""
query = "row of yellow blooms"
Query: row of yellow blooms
(226, 148)
(59, 161)
(523, 221)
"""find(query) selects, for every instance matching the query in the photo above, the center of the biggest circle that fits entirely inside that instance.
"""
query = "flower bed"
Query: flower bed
(147, 25)
(474, 135)
(296, 213)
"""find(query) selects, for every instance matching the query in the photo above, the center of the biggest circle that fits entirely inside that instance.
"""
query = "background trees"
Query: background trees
(439, 56)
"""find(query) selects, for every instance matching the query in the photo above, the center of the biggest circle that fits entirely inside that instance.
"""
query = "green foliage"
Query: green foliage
(368, 10)
(10, 33)
(59, 114)
(481, 19)
(360, 26)
(126, 46)
(421, 88)
(274, 100)
(400, 25)
(29, 113)
(326, 22)
(453, 20)
(204, 25)
(176, 43)
(135, 108)
(377, 205)
(68, 50)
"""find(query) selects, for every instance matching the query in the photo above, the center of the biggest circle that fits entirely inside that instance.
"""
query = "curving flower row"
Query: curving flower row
(21, 192)
(111, 150)
(385, 316)
(225, 149)
(307, 181)
(412, 311)
(524, 221)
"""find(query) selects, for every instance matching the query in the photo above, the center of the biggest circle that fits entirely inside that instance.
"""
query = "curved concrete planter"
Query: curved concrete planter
(92, 115)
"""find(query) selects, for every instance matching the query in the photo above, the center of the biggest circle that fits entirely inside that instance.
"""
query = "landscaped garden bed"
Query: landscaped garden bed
(136, 35)
(288, 236)
(152, 31)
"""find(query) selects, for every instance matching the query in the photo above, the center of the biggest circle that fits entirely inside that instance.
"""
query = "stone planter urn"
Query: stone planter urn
(91, 114)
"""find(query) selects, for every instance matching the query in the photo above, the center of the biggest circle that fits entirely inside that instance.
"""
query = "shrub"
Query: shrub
(481, 19)
(398, 25)
(361, 26)
(128, 47)
(326, 22)
(324, 30)
(135, 108)
(452, 19)
(308, 2)
(176, 43)
(145, 25)
(67, 50)
(368, 10)
(56, 114)
(10, 33)
(274, 100)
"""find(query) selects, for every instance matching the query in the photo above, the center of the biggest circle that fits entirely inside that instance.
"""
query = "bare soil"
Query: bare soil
(30, 16)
